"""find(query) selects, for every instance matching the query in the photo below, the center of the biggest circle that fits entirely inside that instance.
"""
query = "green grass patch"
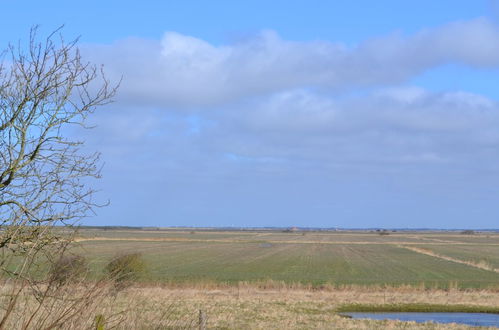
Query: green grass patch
(318, 259)
(417, 308)
(314, 264)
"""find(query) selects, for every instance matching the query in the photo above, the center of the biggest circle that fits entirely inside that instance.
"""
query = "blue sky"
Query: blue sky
(290, 113)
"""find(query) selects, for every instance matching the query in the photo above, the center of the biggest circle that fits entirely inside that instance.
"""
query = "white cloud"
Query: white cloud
(389, 126)
(183, 70)
(382, 126)
(298, 144)
(282, 117)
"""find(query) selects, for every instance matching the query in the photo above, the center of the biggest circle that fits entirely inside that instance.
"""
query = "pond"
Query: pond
(474, 319)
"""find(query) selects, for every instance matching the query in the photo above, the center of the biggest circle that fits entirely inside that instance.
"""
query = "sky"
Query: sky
(352, 114)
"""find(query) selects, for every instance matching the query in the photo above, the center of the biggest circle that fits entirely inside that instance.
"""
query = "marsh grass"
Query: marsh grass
(249, 307)
(282, 286)
(90, 306)
(418, 308)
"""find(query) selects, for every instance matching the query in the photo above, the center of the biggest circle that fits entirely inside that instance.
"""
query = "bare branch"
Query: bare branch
(45, 87)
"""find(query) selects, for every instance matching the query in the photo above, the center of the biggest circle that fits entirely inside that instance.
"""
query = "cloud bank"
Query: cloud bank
(263, 116)
(184, 71)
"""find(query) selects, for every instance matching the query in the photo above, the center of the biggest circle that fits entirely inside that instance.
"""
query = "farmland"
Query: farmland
(360, 258)
(272, 279)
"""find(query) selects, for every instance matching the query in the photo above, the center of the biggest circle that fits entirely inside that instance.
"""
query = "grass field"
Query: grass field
(488, 254)
(431, 259)
(274, 279)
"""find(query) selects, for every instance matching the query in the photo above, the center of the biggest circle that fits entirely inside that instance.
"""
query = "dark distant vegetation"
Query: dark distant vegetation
(468, 232)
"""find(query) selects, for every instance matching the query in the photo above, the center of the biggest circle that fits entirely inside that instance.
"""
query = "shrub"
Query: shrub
(126, 268)
(68, 269)
(468, 232)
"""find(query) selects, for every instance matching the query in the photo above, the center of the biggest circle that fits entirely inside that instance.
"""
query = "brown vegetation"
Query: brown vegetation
(247, 306)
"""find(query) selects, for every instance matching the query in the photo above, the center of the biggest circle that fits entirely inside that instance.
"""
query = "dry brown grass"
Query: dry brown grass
(250, 306)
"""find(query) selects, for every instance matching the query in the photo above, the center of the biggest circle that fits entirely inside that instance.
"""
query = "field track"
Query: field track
(469, 263)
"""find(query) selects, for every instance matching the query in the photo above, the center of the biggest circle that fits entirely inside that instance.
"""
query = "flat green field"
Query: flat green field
(485, 254)
(317, 258)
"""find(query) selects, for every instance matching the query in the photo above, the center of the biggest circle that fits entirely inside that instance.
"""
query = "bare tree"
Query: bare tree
(45, 88)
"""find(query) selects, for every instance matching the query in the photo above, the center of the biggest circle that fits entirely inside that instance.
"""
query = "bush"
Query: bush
(68, 269)
(468, 232)
(126, 268)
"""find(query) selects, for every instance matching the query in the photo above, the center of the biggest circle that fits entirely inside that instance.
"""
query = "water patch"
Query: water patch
(473, 319)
